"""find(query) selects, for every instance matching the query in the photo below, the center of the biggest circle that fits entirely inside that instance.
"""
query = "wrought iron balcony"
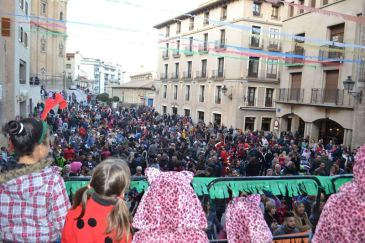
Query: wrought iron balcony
(256, 42)
(201, 75)
(165, 55)
(176, 54)
(274, 45)
(203, 48)
(291, 95)
(189, 51)
(174, 76)
(217, 74)
(330, 53)
(220, 45)
(295, 61)
(338, 97)
(163, 76)
(187, 76)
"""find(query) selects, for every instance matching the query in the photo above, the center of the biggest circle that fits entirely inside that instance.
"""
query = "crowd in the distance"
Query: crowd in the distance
(156, 146)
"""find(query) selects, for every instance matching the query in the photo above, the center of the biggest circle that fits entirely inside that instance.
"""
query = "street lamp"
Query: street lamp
(349, 84)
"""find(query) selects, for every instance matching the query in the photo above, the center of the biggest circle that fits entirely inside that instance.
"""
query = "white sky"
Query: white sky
(129, 48)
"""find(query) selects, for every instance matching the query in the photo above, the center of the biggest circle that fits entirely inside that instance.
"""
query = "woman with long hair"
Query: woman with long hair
(99, 212)
(33, 198)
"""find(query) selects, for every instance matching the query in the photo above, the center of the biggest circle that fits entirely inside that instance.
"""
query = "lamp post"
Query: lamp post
(349, 84)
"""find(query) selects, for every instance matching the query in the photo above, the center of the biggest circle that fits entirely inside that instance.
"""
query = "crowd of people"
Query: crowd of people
(86, 138)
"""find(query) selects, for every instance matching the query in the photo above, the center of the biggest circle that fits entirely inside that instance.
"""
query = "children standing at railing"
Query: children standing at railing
(99, 213)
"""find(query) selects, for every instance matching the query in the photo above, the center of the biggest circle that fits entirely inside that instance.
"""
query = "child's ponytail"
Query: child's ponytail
(81, 197)
(119, 220)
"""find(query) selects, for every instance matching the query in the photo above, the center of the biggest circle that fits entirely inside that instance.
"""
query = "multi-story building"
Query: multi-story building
(313, 99)
(211, 64)
(91, 73)
(139, 91)
(18, 94)
(48, 43)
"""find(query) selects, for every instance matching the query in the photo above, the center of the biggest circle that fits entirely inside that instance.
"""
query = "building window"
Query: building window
(201, 116)
(60, 50)
(218, 94)
(324, 2)
(291, 11)
(21, 32)
(187, 112)
(266, 124)
(250, 123)
(177, 67)
(167, 31)
(69, 76)
(187, 92)
(206, 18)
(68, 66)
(178, 27)
(167, 50)
(269, 97)
(164, 109)
(202, 93)
(220, 67)
(178, 47)
(337, 33)
(164, 91)
(255, 38)
(25, 39)
(61, 15)
(205, 43)
(191, 23)
(43, 8)
(253, 67)
(174, 110)
(22, 72)
(21, 4)
(217, 119)
(272, 69)
(166, 69)
(275, 12)
(274, 37)
(175, 92)
(313, 3)
(190, 65)
(43, 45)
(256, 10)
(26, 8)
(204, 68)
(301, 2)
(190, 43)
(251, 96)
(224, 13)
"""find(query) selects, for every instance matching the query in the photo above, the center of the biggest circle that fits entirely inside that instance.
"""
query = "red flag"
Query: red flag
(51, 103)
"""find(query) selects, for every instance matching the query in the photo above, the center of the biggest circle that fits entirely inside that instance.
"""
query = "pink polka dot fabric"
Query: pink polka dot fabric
(170, 211)
(343, 216)
(245, 222)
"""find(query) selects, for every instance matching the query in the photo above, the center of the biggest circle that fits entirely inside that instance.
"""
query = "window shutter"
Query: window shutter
(5, 27)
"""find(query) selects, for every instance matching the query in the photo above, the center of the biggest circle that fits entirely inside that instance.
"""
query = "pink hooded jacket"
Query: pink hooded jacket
(245, 221)
(169, 211)
(343, 216)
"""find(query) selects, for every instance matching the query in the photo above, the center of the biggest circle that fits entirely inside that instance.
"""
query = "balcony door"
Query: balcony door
(296, 83)
(330, 91)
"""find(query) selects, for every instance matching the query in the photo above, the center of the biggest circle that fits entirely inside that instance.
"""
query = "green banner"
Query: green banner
(222, 189)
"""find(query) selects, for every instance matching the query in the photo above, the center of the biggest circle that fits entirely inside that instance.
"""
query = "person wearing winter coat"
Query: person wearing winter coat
(33, 198)
(343, 218)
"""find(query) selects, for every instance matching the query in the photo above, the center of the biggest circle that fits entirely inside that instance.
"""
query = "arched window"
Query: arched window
(61, 15)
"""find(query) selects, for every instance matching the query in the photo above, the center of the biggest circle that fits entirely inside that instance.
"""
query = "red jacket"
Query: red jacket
(90, 228)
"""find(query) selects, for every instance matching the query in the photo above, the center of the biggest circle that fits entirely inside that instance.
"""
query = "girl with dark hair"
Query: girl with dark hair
(99, 212)
(33, 198)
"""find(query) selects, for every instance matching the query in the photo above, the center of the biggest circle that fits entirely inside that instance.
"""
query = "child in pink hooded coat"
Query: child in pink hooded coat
(169, 211)
(343, 216)
(245, 222)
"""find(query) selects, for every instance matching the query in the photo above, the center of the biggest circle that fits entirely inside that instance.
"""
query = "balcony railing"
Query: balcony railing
(176, 54)
(163, 76)
(329, 53)
(218, 100)
(337, 97)
(274, 46)
(201, 98)
(217, 74)
(220, 45)
(295, 61)
(174, 76)
(263, 75)
(201, 75)
(256, 42)
(165, 55)
(187, 76)
(203, 48)
(189, 51)
(291, 95)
